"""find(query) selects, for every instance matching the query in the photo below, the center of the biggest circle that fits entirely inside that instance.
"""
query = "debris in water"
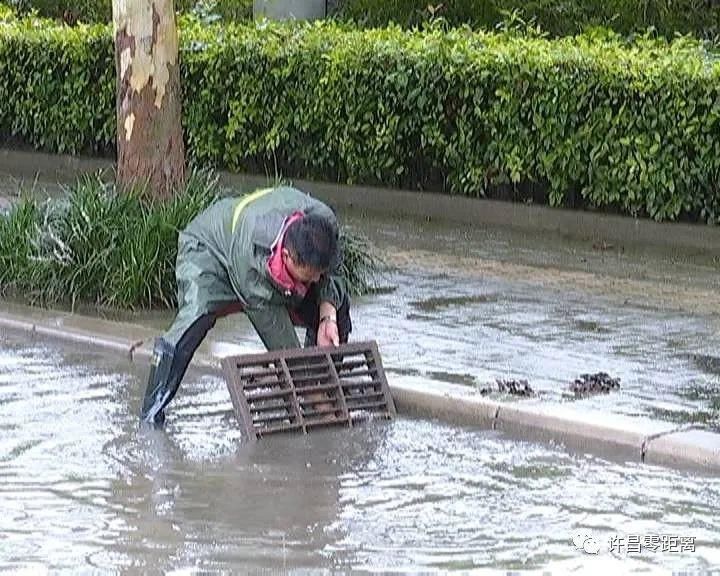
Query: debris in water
(602, 246)
(436, 303)
(590, 384)
(707, 363)
(512, 387)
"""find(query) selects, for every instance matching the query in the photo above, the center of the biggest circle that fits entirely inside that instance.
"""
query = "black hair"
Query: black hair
(313, 241)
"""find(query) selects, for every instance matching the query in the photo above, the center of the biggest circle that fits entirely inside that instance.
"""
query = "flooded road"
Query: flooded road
(449, 328)
(474, 304)
(473, 332)
(470, 305)
(82, 491)
(470, 313)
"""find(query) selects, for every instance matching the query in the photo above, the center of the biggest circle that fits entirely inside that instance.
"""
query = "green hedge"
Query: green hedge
(100, 11)
(584, 121)
(57, 86)
(557, 17)
(6, 13)
(71, 10)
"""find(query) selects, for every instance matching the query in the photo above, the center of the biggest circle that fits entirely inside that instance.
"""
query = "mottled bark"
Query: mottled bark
(149, 132)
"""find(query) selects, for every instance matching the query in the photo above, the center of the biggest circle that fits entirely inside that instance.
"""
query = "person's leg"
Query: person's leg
(309, 314)
(203, 290)
(169, 363)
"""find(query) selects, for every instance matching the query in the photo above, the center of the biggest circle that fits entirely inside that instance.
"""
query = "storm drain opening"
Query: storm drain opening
(301, 389)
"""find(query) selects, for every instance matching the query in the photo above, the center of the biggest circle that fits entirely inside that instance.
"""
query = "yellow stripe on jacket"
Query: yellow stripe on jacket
(244, 201)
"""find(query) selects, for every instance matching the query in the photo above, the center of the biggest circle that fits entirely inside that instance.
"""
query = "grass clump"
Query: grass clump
(361, 264)
(115, 250)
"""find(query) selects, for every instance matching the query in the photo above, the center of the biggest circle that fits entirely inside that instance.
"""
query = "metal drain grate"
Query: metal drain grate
(297, 390)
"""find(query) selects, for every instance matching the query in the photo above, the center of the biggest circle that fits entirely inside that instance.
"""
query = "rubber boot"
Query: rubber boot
(163, 383)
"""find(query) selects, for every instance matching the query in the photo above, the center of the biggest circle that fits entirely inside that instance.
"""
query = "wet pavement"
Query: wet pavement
(83, 491)
(496, 303)
(488, 329)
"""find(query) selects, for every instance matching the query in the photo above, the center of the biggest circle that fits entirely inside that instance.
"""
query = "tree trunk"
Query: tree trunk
(149, 133)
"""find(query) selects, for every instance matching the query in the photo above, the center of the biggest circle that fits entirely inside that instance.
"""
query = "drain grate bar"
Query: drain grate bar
(271, 404)
(315, 372)
(296, 390)
(316, 388)
(305, 366)
(366, 406)
(360, 375)
(317, 378)
(364, 397)
(350, 364)
(278, 429)
(271, 418)
(360, 383)
(260, 396)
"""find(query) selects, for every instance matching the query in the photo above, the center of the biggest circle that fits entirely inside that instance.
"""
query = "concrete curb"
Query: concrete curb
(578, 224)
(696, 448)
(612, 436)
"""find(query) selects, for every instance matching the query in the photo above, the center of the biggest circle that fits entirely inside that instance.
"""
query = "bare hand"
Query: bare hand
(328, 334)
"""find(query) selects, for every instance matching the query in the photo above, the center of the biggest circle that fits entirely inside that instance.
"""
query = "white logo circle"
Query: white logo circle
(583, 541)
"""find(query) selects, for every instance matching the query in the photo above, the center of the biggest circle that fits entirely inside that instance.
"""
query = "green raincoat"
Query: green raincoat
(222, 260)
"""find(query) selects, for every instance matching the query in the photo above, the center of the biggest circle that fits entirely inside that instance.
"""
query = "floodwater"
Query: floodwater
(469, 313)
(82, 490)
(470, 305)
(473, 305)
